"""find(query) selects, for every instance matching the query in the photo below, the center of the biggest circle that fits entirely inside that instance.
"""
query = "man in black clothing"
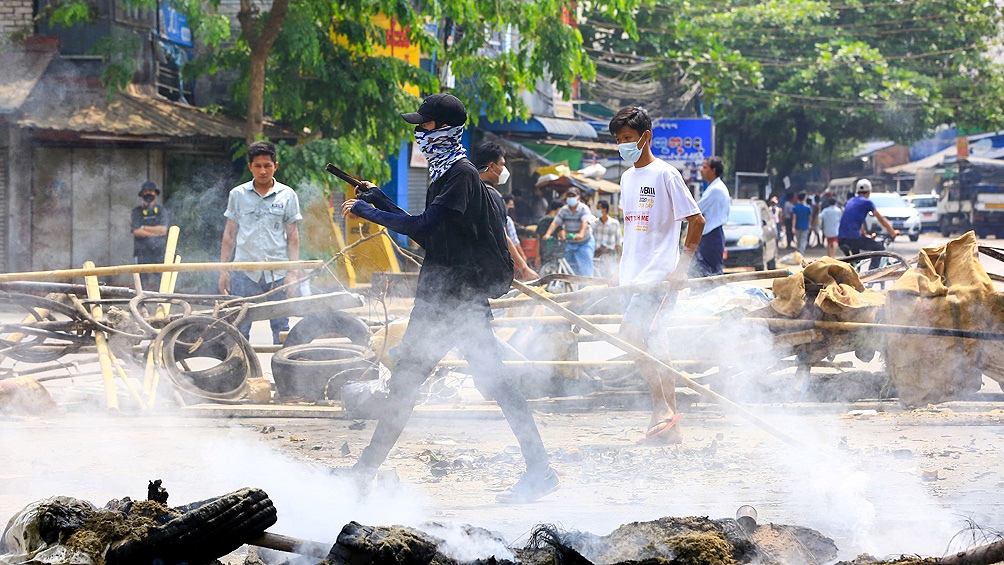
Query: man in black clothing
(489, 159)
(451, 302)
(150, 222)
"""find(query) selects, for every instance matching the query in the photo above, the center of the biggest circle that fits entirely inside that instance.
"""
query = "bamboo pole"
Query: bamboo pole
(538, 320)
(169, 251)
(596, 293)
(159, 268)
(629, 348)
(104, 355)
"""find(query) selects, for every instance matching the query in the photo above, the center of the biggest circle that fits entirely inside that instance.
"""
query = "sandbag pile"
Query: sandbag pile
(949, 288)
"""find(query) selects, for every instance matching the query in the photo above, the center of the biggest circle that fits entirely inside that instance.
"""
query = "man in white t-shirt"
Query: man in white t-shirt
(656, 201)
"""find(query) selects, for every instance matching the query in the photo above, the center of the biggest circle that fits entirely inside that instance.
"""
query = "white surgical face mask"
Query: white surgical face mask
(504, 175)
(572, 201)
(630, 151)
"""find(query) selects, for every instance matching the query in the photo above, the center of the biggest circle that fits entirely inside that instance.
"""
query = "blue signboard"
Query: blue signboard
(174, 25)
(684, 142)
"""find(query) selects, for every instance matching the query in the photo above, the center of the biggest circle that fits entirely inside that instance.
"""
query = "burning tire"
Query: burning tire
(318, 372)
(205, 531)
(328, 324)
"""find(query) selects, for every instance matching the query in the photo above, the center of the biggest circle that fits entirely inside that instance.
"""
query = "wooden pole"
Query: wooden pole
(159, 268)
(629, 348)
(982, 555)
(289, 544)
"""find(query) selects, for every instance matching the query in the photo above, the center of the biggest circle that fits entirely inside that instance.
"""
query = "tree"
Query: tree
(289, 67)
(803, 81)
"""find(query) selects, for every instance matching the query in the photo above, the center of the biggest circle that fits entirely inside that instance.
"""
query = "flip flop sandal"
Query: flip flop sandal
(653, 432)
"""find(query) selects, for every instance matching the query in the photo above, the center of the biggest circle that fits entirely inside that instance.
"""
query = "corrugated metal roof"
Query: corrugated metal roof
(571, 128)
(870, 147)
(132, 113)
(543, 125)
(20, 71)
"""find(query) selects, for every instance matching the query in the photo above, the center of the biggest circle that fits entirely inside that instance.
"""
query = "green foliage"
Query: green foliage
(342, 91)
(801, 80)
(69, 12)
(353, 99)
(303, 164)
(118, 51)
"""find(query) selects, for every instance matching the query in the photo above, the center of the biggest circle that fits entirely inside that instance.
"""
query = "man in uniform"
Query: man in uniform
(150, 222)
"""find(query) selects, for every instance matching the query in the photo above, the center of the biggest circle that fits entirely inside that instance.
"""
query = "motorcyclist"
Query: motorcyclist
(852, 233)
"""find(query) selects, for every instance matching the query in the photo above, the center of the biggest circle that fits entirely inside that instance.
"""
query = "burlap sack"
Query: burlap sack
(948, 289)
(843, 296)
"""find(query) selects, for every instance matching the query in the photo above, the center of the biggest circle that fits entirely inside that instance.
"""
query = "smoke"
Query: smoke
(100, 458)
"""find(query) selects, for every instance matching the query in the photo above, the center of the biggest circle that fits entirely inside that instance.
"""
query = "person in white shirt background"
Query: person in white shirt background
(715, 204)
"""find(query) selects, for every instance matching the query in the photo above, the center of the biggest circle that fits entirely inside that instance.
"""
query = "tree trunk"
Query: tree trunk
(751, 152)
(260, 33)
(795, 153)
(256, 95)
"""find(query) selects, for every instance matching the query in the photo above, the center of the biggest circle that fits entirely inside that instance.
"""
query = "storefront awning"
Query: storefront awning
(543, 125)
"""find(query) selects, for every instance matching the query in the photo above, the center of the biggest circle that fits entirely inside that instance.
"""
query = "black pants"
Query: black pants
(859, 244)
(150, 281)
(709, 259)
(433, 330)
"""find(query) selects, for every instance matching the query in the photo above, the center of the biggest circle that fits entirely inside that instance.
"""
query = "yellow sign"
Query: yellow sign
(374, 256)
(397, 45)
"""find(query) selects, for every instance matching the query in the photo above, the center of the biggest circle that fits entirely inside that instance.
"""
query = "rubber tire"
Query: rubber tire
(31, 302)
(205, 532)
(341, 324)
(306, 370)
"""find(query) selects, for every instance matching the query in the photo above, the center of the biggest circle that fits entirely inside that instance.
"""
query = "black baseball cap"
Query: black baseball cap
(148, 185)
(441, 108)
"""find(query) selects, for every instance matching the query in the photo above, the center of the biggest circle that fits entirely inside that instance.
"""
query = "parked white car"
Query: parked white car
(903, 217)
(927, 207)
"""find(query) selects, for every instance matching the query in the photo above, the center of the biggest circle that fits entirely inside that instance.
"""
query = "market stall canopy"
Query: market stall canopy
(543, 125)
(559, 176)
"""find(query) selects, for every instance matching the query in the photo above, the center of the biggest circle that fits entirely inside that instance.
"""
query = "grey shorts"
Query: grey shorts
(643, 309)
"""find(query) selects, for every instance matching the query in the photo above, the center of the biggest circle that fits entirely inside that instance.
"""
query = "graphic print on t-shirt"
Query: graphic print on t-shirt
(646, 200)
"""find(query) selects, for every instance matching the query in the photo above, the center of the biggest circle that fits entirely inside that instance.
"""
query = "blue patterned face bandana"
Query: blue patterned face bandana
(441, 148)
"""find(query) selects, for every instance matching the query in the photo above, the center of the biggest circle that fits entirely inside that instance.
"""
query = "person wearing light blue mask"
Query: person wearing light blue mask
(655, 201)
(577, 221)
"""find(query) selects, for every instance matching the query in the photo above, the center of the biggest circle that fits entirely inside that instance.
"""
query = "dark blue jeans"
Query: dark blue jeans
(241, 285)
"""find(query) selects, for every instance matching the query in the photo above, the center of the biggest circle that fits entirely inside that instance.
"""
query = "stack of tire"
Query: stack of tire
(318, 371)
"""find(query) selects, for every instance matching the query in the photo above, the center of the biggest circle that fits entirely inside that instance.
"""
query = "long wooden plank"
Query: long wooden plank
(159, 268)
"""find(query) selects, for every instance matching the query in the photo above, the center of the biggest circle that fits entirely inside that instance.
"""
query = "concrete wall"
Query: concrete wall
(81, 200)
(14, 15)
